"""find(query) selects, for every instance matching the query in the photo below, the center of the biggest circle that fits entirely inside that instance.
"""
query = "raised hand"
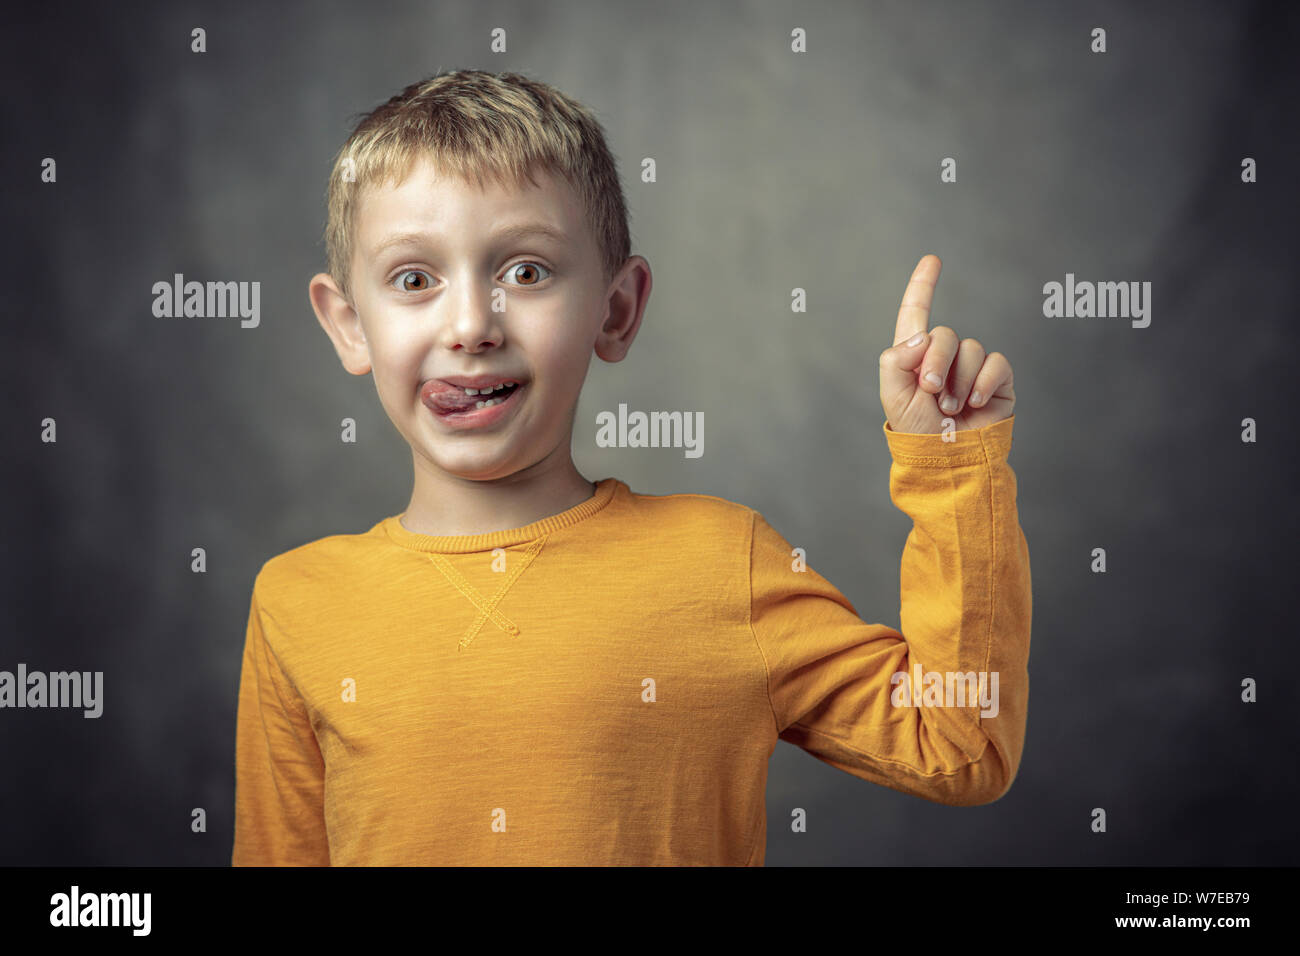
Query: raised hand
(927, 375)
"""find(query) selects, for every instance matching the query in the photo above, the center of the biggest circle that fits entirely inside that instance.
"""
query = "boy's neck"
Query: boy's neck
(446, 505)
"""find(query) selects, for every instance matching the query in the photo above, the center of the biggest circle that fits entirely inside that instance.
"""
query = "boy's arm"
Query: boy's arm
(279, 771)
(966, 607)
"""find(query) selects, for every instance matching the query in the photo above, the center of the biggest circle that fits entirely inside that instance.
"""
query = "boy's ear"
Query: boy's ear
(628, 294)
(341, 323)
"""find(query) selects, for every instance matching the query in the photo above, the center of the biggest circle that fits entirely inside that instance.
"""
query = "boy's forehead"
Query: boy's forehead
(438, 203)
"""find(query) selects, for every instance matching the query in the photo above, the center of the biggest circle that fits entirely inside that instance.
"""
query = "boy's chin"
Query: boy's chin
(488, 467)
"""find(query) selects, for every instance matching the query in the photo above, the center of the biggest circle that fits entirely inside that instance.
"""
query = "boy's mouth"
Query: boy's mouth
(451, 399)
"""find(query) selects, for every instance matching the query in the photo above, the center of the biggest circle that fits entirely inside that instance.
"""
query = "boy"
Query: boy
(526, 667)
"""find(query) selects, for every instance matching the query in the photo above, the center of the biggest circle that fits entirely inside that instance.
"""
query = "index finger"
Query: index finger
(914, 313)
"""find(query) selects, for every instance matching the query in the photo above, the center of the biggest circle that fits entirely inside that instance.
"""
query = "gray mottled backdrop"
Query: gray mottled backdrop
(776, 170)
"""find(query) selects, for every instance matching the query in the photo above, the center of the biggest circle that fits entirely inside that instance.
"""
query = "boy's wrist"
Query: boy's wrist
(970, 446)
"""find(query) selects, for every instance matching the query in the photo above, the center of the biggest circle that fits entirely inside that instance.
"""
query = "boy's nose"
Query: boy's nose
(475, 325)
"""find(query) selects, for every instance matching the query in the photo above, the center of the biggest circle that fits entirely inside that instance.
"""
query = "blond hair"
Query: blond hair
(477, 125)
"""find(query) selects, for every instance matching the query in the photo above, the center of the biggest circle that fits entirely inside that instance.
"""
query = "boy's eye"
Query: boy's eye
(407, 286)
(530, 275)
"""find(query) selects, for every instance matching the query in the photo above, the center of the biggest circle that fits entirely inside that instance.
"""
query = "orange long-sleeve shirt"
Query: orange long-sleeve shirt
(606, 685)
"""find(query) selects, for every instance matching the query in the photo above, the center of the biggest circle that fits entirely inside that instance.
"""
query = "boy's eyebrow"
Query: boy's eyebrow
(523, 230)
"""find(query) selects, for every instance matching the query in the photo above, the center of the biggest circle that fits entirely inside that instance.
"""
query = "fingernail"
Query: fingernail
(914, 340)
(976, 398)
(933, 379)
(949, 404)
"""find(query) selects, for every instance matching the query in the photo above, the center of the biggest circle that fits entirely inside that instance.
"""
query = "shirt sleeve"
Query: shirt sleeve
(279, 771)
(893, 708)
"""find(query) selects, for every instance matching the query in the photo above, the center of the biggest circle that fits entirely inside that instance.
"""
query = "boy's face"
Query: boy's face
(431, 257)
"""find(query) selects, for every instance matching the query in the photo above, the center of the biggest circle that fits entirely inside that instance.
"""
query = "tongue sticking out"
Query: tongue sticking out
(448, 398)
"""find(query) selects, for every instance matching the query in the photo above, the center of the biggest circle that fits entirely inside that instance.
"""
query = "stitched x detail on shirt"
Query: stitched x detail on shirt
(488, 608)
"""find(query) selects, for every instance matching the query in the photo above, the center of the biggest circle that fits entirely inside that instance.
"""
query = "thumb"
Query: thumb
(898, 366)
